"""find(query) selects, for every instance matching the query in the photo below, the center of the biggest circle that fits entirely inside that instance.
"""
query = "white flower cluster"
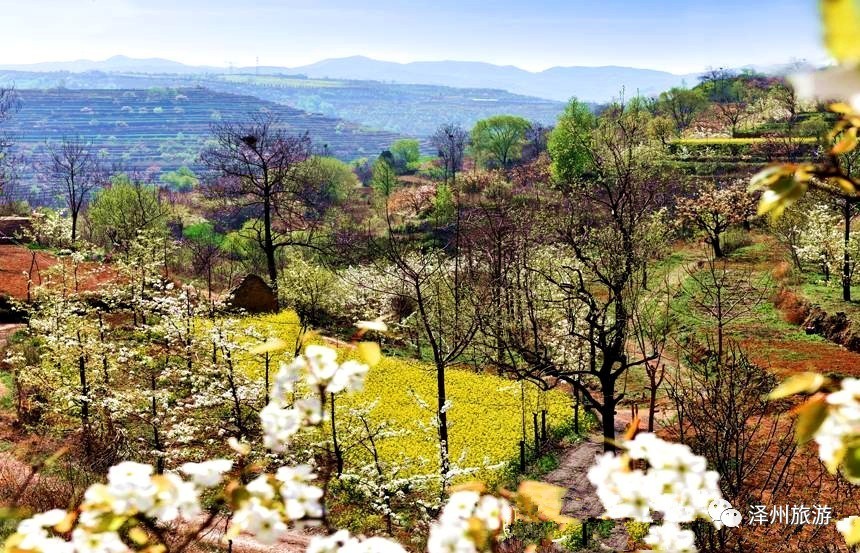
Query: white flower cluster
(468, 515)
(671, 538)
(342, 542)
(34, 535)
(132, 489)
(842, 425)
(281, 419)
(275, 500)
(676, 484)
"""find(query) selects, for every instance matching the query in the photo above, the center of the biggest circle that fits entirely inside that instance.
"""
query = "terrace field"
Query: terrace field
(409, 109)
(160, 129)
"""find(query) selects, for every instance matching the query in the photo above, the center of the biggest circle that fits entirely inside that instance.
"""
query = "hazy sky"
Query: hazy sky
(675, 35)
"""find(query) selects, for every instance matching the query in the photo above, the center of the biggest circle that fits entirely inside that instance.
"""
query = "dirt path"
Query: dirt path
(294, 541)
(580, 500)
(6, 330)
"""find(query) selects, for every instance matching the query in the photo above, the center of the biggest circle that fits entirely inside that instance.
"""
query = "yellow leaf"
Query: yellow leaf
(847, 143)
(138, 536)
(369, 353)
(841, 19)
(840, 107)
(803, 383)
(852, 532)
(810, 416)
(851, 466)
(632, 428)
(767, 176)
(67, 523)
(782, 193)
(543, 499)
(471, 486)
(269, 346)
(846, 185)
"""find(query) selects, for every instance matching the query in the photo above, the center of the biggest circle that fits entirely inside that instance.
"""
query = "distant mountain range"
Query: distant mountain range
(594, 84)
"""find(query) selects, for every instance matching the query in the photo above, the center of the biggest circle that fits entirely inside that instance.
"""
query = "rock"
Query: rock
(253, 295)
(12, 228)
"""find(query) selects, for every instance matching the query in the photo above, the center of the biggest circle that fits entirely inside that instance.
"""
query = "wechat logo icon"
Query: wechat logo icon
(723, 514)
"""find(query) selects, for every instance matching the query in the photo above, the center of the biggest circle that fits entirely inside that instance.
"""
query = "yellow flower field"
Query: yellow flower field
(485, 417)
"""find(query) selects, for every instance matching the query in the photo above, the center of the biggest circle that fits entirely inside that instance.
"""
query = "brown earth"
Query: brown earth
(16, 261)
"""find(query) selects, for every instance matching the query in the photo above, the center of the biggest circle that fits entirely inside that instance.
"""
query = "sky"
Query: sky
(681, 36)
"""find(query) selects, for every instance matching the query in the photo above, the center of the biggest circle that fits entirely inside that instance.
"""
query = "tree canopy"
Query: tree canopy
(499, 140)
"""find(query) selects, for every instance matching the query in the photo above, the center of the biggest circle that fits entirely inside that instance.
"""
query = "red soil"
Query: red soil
(785, 357)
(17, 261)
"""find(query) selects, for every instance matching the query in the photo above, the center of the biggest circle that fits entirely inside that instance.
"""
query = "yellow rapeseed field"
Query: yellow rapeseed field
(485, 415)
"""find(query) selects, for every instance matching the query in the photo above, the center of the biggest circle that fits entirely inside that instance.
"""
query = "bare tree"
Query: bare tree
(651, 330)
(450, 140)
(600, 218)
(259, 167)
(606, 216)
(439, 286)
(732, 96)
(722, 414)
(75, 165)
(722, 296)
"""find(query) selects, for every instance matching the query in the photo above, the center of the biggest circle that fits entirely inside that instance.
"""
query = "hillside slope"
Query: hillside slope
(161, 129)
(410, 109)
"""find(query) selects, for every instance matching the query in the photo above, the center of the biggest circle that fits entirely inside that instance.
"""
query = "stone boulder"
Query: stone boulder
(253, 295)
(11, 229)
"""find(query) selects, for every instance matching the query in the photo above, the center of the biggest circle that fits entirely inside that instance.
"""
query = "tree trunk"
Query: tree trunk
(269, 246)
(652, 407)
(338, 454)
(607, 415)
(156, 436)
(445, 463)
(74, 215)
(718, 249)
(85, 402)
(645, 276)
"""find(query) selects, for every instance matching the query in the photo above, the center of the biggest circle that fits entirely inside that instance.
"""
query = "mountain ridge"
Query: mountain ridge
(590, 83)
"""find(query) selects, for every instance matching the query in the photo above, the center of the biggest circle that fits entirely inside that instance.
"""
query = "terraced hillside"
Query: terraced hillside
(409, 109)
(160, 129)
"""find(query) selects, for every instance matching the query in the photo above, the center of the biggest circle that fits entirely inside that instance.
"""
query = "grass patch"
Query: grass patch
(829, 295)
(6, 391)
